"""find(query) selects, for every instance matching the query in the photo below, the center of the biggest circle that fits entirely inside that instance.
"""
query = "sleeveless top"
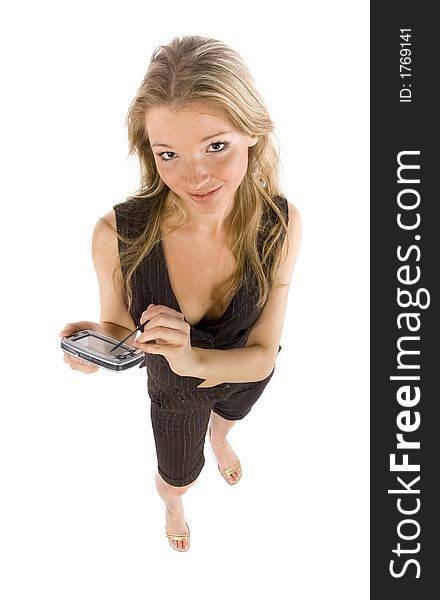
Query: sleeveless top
(151, 285)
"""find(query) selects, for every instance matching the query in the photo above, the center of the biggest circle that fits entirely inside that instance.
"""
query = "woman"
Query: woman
(202, 255)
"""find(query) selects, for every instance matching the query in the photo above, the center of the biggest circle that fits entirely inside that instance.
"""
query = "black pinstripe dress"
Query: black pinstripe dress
(180, 411)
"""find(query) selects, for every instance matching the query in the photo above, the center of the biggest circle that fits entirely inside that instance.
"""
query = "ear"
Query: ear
(252, 140)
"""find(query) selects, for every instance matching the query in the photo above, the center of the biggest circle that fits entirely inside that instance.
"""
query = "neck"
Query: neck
(209, 224)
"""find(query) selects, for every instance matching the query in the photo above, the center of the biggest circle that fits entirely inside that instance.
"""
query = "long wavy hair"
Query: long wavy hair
(195, 69)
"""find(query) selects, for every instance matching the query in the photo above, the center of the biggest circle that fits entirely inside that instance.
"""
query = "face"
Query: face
(199, 155)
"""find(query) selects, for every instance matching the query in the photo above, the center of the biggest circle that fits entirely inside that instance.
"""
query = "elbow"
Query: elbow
(267, 364)
(268, 370)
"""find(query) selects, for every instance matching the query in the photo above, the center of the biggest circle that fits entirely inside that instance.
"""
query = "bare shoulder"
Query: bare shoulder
(291, 246)
(294, 219)
(105, 230)
(105, 251)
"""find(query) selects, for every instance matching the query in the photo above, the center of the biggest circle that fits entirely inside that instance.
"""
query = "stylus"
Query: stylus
(128, 336)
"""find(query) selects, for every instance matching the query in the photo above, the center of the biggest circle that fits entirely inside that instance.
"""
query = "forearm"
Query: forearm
(237, 365)
(114, 331)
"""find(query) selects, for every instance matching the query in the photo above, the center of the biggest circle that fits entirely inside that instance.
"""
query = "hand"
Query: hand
(76, 363)
(172, 338)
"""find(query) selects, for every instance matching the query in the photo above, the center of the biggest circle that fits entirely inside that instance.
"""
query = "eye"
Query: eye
(218, 146)
(167, 156)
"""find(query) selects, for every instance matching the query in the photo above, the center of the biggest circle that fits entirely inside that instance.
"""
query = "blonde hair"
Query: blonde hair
(190, 70)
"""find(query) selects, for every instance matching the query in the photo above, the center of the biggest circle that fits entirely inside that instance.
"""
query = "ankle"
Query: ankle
(215, 443)
(218, 445)
(174, 510)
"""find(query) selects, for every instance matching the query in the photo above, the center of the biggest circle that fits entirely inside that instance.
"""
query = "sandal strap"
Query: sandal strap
(212, 443)
(174, 537)
(178, 537)
(173, 512)
(218, 445)
(229, 471)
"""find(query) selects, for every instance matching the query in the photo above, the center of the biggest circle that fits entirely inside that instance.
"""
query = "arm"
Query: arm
(257, 359)
(116, 320)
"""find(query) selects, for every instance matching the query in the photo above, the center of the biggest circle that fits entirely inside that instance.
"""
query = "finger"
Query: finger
(86, 368)
(71, 361)
(68, 329)
(166, 320)
(156, 309)
(71, 328)
(89, 369)
(153, 348)
(168, 338)
(77, 364)
(168, 334)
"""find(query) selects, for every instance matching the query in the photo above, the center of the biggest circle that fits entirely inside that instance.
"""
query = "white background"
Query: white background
(80, 517)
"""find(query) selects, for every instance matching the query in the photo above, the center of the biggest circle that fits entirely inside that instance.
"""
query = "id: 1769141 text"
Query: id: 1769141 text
(405, 65)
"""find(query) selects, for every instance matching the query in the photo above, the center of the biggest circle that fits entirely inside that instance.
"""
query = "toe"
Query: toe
(233, 477)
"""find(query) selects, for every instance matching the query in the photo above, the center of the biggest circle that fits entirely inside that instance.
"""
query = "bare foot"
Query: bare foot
(175, 519)
(226, 459)
(175, 525)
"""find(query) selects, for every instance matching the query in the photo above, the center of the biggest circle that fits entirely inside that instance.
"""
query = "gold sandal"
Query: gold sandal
(229, 471)
(174, 537)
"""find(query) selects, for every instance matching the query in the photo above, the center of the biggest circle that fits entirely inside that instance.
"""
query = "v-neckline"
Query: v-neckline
(176, 302)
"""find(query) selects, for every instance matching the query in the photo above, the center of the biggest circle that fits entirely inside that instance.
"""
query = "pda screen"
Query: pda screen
(94, 343)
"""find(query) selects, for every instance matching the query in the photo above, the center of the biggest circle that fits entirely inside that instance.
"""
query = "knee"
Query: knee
(178, 491)
(172, 489)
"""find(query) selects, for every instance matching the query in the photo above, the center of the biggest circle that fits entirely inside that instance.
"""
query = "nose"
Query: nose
(196, 175)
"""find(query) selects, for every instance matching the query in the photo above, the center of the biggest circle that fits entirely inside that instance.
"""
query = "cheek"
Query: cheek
(237, 167)
(166, 174)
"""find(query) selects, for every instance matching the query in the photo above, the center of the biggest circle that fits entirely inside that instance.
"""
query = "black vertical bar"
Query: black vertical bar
(405, 256)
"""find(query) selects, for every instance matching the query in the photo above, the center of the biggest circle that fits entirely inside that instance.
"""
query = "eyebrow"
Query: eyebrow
(205, 139)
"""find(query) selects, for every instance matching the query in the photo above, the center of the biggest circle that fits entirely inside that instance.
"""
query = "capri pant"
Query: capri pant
(180, 421)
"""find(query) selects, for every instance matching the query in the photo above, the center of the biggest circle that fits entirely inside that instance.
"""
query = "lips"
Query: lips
(205, 196)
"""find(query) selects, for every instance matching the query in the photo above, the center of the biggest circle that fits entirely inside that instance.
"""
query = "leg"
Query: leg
(175, 520)
(226, 457)
(220, 428)
(179, 438)
(234, 407)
